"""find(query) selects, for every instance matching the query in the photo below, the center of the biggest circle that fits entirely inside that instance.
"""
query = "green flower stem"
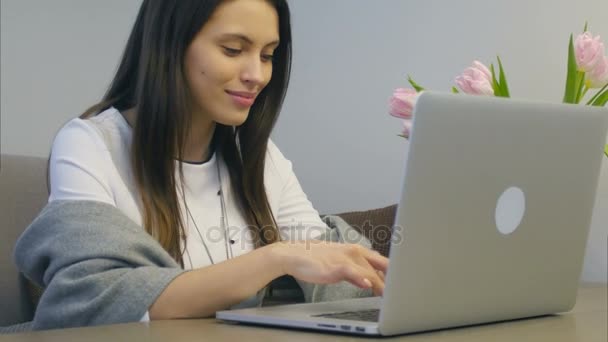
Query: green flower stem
(597, 94)
(584, 93)
(580, 82)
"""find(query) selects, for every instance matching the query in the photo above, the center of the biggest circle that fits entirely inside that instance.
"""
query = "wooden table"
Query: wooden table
(586, 322)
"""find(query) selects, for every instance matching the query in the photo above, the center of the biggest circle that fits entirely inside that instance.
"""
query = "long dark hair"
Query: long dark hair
(151, 79)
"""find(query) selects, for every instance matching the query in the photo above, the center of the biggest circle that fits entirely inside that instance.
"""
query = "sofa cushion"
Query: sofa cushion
(374, 224)
(24, 193)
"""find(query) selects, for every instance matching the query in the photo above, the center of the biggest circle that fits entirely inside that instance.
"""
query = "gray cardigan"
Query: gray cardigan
(99, 267)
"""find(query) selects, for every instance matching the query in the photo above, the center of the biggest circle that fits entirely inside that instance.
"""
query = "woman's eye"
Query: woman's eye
(231, 51)
(267, 58)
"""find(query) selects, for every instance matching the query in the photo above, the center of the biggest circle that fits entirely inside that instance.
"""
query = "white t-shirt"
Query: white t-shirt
(90, 160)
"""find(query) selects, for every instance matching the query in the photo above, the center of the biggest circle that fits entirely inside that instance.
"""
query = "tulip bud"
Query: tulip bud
(588, 50)
(407, 128)
(598, 76)
(402, 103)
(476, 80)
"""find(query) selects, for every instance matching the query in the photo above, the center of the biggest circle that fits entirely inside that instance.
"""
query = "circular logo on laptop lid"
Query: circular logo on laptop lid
(510, 210)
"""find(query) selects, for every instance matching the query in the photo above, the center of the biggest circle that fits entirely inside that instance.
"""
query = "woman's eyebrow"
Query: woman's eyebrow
(246, 39)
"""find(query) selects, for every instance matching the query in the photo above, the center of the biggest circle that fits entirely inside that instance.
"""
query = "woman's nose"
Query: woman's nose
(253, 71)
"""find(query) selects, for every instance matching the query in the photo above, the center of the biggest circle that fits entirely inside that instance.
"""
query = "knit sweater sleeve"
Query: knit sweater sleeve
(96, 265)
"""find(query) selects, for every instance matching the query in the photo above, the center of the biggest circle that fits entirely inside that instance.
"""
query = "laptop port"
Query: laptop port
(326, 325)
(345, 327)
(360, 329)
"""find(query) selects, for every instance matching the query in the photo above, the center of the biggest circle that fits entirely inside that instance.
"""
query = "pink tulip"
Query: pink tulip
(598, 77)
(588, 50)
(476, 80)
(407, 128)
(402, 103)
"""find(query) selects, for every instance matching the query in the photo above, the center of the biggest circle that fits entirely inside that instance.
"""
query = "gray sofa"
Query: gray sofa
(23, 193)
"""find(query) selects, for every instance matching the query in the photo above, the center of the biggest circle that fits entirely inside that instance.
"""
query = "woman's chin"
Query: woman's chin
(233, 120)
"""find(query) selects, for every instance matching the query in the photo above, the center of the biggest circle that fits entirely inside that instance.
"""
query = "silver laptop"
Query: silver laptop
(491, 225)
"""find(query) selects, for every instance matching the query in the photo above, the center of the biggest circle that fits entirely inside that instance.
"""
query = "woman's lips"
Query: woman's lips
(242, 99)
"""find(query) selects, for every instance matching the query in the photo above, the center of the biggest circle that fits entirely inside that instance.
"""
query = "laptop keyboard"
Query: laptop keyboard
(371, 315)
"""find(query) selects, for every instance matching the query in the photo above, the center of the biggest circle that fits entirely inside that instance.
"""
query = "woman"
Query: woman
(180, 145)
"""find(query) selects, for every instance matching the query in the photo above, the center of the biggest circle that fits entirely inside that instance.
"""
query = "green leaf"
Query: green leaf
(606, 150)
(601, 100)
(495, 85)
(571, 91)
(597, 94)
(580, 85)
(414, 84)
(455, 90)
(503, 80)
(585, 29)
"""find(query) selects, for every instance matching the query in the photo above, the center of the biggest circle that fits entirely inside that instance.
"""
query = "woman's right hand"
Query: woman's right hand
(322, 262)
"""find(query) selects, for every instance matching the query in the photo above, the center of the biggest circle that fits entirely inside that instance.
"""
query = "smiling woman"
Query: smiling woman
(174, 171)
(193, 97)
(232, 55)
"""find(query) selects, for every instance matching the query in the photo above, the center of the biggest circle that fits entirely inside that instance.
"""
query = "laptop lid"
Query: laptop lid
(495, 210)
(492, 222)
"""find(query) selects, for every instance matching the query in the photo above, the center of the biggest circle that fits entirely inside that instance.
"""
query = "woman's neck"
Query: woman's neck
(198, 142)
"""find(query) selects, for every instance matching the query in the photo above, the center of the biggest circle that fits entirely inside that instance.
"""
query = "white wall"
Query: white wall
(58, 57)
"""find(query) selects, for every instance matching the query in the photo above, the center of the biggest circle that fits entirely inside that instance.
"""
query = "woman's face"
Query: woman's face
(229, 61)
